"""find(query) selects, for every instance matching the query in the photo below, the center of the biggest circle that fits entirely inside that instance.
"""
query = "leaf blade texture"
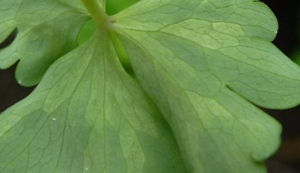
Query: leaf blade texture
(46, 31)
(203, 63)
(87, 115)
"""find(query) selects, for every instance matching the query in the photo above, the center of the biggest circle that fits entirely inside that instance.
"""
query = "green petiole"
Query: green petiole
(97, 13)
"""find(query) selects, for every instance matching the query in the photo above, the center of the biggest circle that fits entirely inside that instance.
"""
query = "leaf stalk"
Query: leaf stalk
(97, 13)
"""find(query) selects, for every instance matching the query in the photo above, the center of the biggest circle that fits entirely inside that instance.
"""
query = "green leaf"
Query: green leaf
(203, 62)
(87, 115)
(203, 65)
(46, 30)
(115, 6)
(86, 32)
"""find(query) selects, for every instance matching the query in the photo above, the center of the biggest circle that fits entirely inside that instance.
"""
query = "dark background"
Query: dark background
(287, 40)
(287, 159)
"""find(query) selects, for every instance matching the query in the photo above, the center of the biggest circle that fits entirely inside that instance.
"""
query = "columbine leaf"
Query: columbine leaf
(46, 30)
(87, 115)
(200, 61)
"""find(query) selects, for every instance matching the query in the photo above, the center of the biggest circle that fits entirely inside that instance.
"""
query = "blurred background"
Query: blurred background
(287, 159)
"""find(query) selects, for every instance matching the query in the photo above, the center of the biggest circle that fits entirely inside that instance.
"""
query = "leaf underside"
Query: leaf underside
(87, 115)
(201, 67)
(46, 31)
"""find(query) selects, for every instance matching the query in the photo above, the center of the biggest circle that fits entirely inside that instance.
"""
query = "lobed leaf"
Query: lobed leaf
(46, 30)
(87, 115)
(203, 63)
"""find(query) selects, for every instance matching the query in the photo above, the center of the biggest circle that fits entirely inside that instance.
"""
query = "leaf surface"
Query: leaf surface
(87, 115)
(46, 30)
(203, 63)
